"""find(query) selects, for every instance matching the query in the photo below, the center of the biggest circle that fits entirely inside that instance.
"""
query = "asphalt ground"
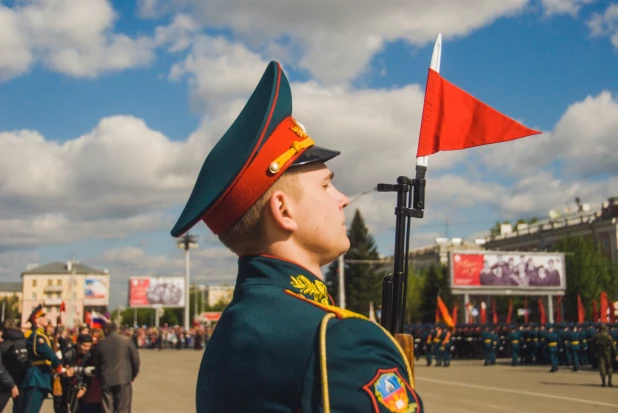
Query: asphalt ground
(167, 384)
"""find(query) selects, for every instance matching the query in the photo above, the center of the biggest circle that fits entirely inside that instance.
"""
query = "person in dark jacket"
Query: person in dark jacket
(116, 364)
(9, 388)
(14, 357)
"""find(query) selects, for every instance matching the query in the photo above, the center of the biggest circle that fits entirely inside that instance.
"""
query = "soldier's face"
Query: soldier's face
(42, 322)
(319, 215)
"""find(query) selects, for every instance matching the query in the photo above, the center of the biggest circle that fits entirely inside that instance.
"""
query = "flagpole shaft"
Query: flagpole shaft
(550, 308)
(465, 306)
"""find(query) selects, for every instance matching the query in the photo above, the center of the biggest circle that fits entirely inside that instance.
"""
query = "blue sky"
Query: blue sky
(108, 109)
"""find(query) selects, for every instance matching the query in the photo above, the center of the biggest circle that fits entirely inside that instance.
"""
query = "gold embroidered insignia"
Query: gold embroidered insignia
(316, 289)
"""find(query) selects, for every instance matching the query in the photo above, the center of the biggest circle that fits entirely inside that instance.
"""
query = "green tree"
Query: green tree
(436, 283)
(414, 298)
(363, 281)
(11, 307)
(588, 272)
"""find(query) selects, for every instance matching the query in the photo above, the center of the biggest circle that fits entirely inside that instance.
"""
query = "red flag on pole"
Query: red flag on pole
(494, 312)
(483, 313)
(543, 318)
(469, 310)
(509, 315)
(437, 315)
(526, 310)
(63, 307)
(604, 306)
(455, 313)
(444, 313)
(453, 119)
(612, 312)
(595, 312)
(581, 313)
(559, 310)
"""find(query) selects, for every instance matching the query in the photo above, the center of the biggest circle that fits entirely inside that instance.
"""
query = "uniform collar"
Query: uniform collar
(268, 270)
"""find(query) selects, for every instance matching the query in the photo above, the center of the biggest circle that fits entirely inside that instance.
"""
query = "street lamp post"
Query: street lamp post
(186, 242)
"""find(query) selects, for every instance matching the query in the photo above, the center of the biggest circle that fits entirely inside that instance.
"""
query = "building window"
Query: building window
(74, 295)
(606, 242)
(59, 282)
(50, 281)
(57, 295)
(48, 295)
(34, 296)
(34, 283)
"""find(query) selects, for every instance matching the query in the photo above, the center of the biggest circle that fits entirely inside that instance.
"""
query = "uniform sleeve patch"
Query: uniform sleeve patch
(390, 390)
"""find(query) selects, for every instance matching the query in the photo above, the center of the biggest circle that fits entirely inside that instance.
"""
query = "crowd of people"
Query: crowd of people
(83, 370)
(570, 345)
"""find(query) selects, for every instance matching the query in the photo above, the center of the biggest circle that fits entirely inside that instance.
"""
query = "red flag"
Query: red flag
(63, 307)
(543, 319)
(453, 119)
(595, 312)
(455, 313)
(509, 316)
(483, 313)
(581, 313)
(526, 310)
(469, 310)
(444, 313)
(88, 318)
(559, 310)
(437, 315)
(494, 312)
(604, 306)
(612, 312)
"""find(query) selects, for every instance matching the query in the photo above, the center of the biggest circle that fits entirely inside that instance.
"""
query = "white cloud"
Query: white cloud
(336, 40)
(13, 263)
(605, 24)
(71, 37)
(572, 7)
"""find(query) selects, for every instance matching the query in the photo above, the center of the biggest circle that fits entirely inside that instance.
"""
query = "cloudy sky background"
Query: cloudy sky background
(108, 109)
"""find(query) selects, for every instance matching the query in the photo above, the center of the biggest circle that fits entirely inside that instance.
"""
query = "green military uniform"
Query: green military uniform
(605, 352)
(281, 345)
(487, 339)
(42, 362)
(575, 345)
(445, 347)
(430, 347)
(435, 346)
(514, 338)
(553, 341)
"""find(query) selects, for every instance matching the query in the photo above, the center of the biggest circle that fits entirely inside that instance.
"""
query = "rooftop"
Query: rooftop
(64, 268)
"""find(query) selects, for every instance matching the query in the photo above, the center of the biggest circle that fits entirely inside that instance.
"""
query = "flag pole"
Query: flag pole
(410, 204)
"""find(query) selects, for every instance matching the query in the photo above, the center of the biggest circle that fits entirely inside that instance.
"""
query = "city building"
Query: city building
(219, 294)
(601, 223)
(66, 290)
(424, 257)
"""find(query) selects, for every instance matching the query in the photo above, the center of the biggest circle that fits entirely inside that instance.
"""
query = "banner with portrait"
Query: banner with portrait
(507, 272)
(156, 292)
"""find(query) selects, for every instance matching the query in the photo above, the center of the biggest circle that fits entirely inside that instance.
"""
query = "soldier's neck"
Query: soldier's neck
(299, 256)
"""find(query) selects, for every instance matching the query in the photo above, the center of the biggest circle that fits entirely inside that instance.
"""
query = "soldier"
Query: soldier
(514, 338)
(265, 190)
(445, 346)
(429, 346)
(437, 346)
(487, 338)
(42, 363)
(605, 352)
(553, 344)
(575, 345)
(583, 348)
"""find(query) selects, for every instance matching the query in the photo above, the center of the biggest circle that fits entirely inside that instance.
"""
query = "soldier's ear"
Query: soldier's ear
(281, 208)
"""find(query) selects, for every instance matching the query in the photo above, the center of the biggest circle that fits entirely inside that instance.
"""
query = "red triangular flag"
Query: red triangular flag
(595, 312)
(453, 119)
(509, 316)
(581, 313)
(526, 310)
(559, 310)
(604, 306)
(494, 312)
(442, 310)
(63, 307)
(483, 313)
(455, 313)
(543, 318)
(612, 312)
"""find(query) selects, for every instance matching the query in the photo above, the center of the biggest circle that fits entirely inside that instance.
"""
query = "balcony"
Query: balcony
(52, 301)
(54, 289)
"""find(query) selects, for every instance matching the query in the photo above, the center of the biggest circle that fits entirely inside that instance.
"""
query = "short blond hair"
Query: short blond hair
(248, 234)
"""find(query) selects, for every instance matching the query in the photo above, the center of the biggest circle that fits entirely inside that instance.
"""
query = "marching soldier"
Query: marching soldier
(445, 346)
(436, 346)
(552, 343)
(575, 344)
(605, 352)
(514, 338)
(42, 363)
(281, 344)
(429, 346)
(488, 338)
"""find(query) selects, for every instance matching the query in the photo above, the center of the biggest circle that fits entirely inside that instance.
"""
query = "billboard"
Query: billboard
(507, 272)
(157, 292)
(96, 290)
